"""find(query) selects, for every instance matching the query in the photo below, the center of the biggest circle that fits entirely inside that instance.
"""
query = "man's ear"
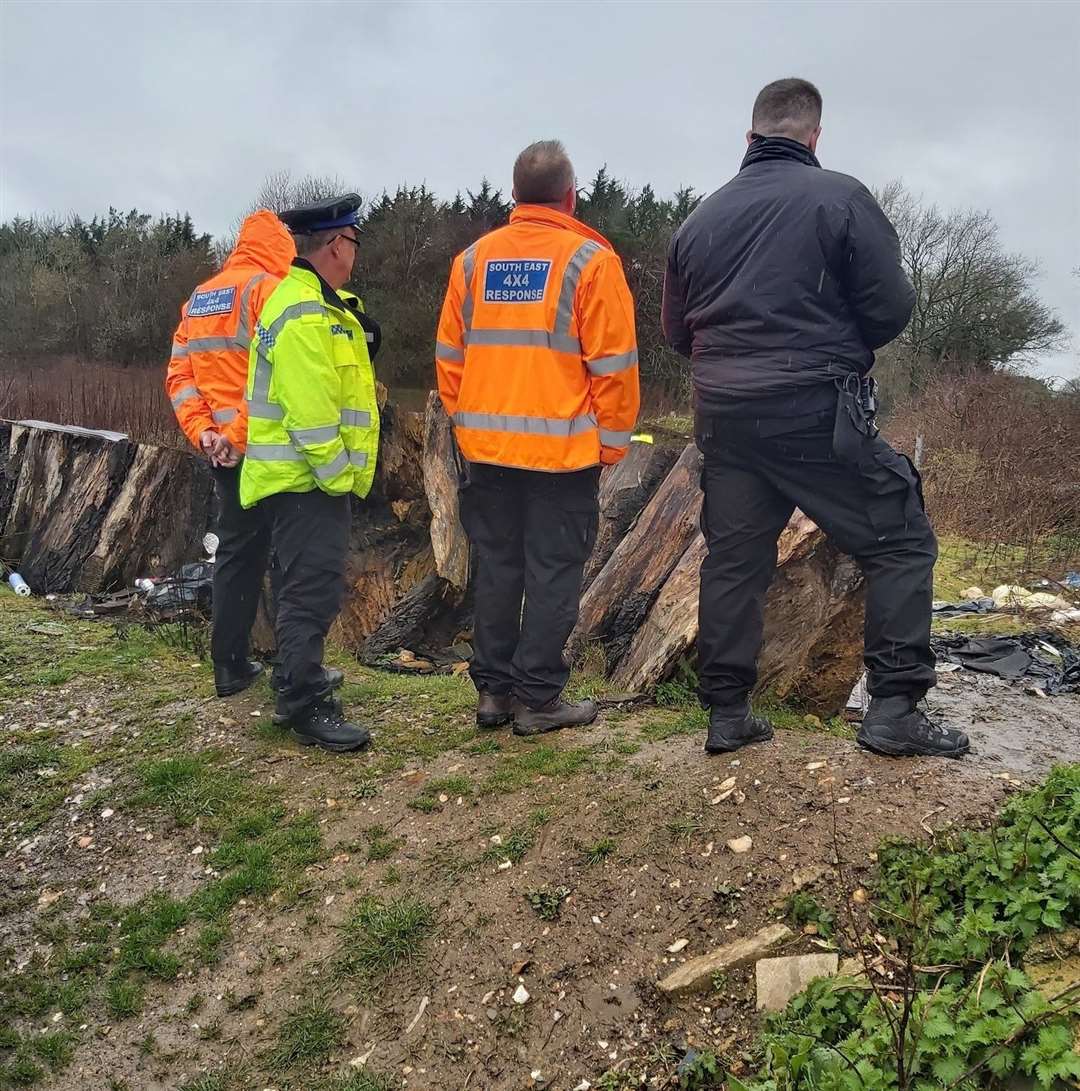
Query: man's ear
(814, 137)
(749, 136)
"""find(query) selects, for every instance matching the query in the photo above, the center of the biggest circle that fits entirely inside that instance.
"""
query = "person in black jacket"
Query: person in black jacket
(779, 288)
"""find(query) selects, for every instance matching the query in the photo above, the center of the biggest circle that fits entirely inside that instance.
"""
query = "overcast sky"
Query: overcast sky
(187, 106)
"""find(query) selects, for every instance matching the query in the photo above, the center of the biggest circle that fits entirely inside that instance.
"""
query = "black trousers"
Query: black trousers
(240, 568)
(753, 478)
(311, 541)
(532, 533)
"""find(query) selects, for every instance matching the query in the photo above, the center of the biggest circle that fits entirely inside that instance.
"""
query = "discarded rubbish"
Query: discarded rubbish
(144, 585)
(1053, 661)
(984, 605)
(191, 586)
(210, 544)
(1072, 579)
(19, 585)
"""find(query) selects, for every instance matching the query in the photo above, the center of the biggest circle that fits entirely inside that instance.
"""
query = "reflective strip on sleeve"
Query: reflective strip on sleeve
(357, 418)
(179, 351)
(576, 266)
(243, 330)
(294, 310)
(211, 344)
(303, 436)
(185, 394)
(532, 426)
(265, 410)
(274, 452)
(557, 342)
(468, 262)
(358, 459)
(609, 365)
(323, 473)
(443, 351)
(614, 439)
(223, 416)
(369, 337)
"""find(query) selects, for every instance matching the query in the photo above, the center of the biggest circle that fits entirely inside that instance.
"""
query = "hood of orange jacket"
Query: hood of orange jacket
(265, 243)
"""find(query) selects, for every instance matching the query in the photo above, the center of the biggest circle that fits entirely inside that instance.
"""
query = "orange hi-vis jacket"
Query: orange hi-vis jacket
(209, 364)
(536, 353)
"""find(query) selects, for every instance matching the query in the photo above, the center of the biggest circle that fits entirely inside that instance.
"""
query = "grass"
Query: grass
(309, 1033)
(380, 937)
(380, 845)
(599, 851)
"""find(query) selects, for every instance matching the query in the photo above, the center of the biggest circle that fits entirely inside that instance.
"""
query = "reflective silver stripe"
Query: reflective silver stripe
(576, 266)
(223, 416)
(614, 439)
(274, 452)
(260, 388)
(533, 426)
(211, 344)
(265, 411)
(335, 467)
(608, 365)
(443, 351)
(468, 262)
(243, 330)
(303, 436)
(179, 351)
(369, 338)
(294, 310)
(185, 394)
(358, 458)
(357, 418)
(557, 342)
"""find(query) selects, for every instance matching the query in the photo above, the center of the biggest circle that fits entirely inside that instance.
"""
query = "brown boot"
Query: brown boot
(555, 714)
(493, 709)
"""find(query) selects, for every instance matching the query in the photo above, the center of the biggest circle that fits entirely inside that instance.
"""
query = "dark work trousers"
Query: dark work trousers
(532, 533)
(311, 541)
(239, 568)
(755, 473)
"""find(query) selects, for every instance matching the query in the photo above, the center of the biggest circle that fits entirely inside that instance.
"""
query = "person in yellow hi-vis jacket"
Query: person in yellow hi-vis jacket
(313, 437)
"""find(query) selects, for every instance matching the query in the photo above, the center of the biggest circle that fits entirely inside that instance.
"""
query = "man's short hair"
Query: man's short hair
(543, 173)
(306, 245)
(790, 108)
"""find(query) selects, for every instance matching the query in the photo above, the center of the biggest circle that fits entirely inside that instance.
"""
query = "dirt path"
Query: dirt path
(425, 849)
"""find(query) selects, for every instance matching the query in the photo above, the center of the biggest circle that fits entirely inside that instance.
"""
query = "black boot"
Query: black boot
(734, 726)
(325, 725)
(493, 709)
(556, 714)
(894, 726)
(332, 679)
(235, 676)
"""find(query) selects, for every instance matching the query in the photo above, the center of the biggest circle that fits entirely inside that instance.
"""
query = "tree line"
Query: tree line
(109, 289)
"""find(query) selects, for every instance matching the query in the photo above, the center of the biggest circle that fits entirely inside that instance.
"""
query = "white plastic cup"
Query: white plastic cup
(19, 585)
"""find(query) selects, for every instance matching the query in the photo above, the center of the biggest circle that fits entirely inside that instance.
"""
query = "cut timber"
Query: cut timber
(625, 488)
(93, 513)
(812, 649)
(619, 599)
(448, 540)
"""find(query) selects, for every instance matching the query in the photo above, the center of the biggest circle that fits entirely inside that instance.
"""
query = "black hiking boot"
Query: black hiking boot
(325, 726)
(493, 709)
(734, 726)
(895, 727)
(332, 679)
(556, 714)
(235, 676)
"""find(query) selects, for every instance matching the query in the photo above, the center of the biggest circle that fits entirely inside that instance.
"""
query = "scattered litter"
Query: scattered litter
(419, 1014)
(19, 585)
(193, 585)
(678, 945)
(1049, 658)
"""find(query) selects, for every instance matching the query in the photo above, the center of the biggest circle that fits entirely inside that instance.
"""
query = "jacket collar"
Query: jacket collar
(303, 266)
(550, 217)
(765, 148)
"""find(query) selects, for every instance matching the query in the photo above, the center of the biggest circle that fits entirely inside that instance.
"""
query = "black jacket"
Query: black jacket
(784, 271)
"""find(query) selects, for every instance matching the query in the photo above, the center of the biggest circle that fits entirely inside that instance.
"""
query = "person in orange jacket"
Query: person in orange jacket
(205, 382)
(537, 368)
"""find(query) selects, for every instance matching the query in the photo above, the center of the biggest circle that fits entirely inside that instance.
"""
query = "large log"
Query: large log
(625, 488)
(812, 646)
(618, 600)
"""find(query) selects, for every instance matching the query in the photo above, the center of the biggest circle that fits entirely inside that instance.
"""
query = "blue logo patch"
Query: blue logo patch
(215, 301)
(516, 281)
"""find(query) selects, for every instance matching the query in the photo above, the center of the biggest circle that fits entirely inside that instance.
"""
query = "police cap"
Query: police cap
(343, 211)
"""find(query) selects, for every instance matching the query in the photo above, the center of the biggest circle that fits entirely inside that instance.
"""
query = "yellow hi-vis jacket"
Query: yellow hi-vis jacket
(313, 418)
